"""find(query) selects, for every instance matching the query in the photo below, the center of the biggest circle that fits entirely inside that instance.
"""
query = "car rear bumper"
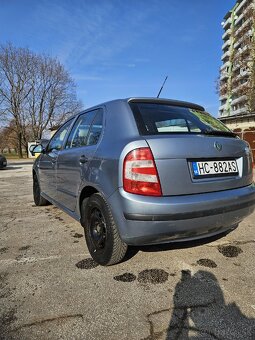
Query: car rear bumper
(151, 220)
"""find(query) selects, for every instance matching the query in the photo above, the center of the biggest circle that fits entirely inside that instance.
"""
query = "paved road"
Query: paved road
(51, 289)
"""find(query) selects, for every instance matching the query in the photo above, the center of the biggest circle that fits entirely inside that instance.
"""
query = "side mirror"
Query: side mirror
(36, 149)
(32, 147)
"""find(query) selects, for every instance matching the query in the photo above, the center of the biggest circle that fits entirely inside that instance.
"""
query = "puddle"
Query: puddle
(230, 251)
(86, 264)
(3, 250)
(207, 263)
(59, 218)
(77, 235)
(126, 277)
(154, 276)
(4, 289)
(6, 319)
(24, 248)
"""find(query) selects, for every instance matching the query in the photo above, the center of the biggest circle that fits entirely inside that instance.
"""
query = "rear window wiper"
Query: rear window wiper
(219, 133)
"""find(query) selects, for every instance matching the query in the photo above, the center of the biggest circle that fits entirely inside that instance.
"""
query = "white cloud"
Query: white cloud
(94, 32)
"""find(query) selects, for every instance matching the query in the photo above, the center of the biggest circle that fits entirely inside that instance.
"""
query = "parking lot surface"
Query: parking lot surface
(51, 289)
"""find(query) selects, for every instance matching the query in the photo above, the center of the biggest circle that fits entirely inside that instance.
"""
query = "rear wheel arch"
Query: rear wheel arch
(101, 233)
(85, 194)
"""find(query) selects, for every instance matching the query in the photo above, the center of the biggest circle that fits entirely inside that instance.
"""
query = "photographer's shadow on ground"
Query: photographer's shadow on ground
(200, 311)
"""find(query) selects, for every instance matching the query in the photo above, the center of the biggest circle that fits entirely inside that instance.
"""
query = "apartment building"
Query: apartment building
(237, 58)
(237, 73)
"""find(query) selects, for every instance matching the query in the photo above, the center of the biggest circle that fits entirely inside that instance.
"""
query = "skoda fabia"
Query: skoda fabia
(143, 171)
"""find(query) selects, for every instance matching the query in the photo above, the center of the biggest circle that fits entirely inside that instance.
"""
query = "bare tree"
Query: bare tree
(13, 87)
(52, 95)
(35, 93)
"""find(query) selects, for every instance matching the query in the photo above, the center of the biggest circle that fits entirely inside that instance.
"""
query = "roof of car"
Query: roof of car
(165, 101)
(152, 100)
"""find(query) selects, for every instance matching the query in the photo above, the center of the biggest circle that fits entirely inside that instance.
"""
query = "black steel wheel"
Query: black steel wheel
(102, 236)
(97, 229)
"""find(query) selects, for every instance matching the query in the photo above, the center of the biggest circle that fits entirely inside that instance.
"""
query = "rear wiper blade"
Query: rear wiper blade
(219, 133)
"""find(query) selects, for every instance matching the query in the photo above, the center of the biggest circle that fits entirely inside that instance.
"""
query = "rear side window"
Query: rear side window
(86, 130)
(152, 118)
(96, 129)
(80, 130)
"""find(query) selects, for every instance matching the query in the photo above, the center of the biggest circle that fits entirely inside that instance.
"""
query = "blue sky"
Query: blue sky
(117, 48)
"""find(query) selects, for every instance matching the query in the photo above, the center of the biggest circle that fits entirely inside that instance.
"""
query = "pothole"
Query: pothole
(126, 277)
(86, 264)
(230, 251)
(153, 276)
(207, 263)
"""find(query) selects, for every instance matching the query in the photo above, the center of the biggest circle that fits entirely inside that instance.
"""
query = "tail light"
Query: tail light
(140, 174)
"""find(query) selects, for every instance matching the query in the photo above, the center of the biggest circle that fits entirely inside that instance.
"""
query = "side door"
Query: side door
(47, 163)
(74, 158)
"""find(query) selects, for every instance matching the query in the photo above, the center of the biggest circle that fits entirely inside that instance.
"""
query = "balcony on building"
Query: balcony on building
(243, 26)
(227, 23)
(223, 112)
(239, 19)
(239, 9)
(239, 111)
(226, 34)
(239, 88)
(223, 97)
(226, 44)
(225, 56)
(241, 50)
(224, 75)
(225, 65)
(223, 106)
(242, 38)
(239, 100)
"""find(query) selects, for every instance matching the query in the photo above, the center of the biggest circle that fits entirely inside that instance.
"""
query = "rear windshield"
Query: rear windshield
(155, 119)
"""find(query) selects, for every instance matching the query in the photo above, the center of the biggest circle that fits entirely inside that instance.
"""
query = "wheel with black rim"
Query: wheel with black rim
(38, 199)
(101, 233)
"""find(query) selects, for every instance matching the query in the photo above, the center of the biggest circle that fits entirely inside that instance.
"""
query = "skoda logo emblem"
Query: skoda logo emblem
(218, 146)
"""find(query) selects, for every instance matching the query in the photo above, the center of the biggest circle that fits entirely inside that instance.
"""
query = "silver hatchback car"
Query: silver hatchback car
(144, 171)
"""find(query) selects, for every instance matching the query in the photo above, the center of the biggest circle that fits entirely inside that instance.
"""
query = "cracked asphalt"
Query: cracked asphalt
(50, 288)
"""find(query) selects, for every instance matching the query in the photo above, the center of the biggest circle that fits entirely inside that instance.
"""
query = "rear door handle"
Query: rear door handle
(83, 159)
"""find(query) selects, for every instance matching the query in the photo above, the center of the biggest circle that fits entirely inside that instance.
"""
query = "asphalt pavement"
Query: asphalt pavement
(50, 288)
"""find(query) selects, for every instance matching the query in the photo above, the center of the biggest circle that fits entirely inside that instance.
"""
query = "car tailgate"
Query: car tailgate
(174, 155)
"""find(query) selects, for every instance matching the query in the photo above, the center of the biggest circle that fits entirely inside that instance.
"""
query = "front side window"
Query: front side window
(57, 140)
(80, 130)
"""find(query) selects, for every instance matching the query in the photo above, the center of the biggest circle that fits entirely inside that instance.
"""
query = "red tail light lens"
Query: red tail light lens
(140, 174)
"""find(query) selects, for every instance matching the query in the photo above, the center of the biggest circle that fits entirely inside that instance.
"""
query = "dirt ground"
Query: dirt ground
(51, 289)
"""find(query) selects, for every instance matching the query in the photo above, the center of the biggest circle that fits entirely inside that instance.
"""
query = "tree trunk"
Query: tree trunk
(26, 147)
(20, 145)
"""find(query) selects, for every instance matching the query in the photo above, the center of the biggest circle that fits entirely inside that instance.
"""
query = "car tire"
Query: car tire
(102, 236)
(38, 199)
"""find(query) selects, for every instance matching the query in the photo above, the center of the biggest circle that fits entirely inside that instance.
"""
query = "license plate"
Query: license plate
(214, 168)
